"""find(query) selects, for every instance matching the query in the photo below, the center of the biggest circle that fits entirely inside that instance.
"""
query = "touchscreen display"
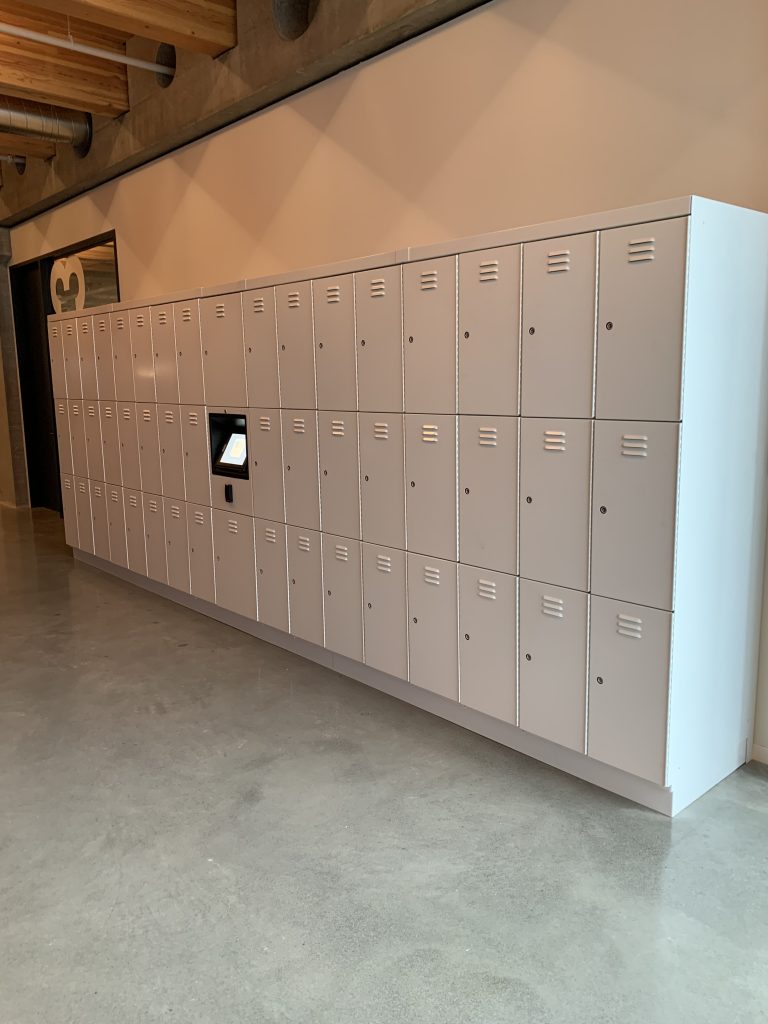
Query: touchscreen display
(235, 452)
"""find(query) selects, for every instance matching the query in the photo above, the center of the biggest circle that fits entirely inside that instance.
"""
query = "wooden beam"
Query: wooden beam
(53, 23)
(26, 145)
(203, 26)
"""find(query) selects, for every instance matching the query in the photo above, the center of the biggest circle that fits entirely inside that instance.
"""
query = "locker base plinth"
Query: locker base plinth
(657, 798)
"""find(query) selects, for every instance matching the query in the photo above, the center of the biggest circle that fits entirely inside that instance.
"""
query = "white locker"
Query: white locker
(105, 367)
(343, 596)
(154, 533)
(189, 352)
(118, 550)
(77, 435)
(221, 330)
(242, 495)
(87, 353)
(382, 478)
(558, 339)
(488, 491)
(260, 333)
(339, 473)
(149, 448)
(430, 493)
(71, 359)
(56, 352)
(628, 686)
(69, 505)
(555, 460)
(641, 312)
(272, 562)
(164, 345)
(234, 562)
(334, 318)
(93, 444)
(633, 511)
(379, 315)
(295, 346)
(171, 451)
(488, 642)
(176, 543)
(433, 625)
(302, 487)
(553, 663)
(385, 610)
(200, 533)
(134, 532)
(305, 587)
(83, 509)
(63, 435)
(129, 445)
(122, 357)
(99, 519)
(489, 331)
(265, 449)
(429, 335)
(143, 358)
(110, 440)
(197, 454)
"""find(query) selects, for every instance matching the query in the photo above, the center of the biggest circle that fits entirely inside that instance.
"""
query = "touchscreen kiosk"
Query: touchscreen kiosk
(229, 444)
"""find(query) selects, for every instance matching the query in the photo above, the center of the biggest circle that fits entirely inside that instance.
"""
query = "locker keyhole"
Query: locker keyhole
(261, 572)
(531, 330)
(466, 490)
(320, 344)
(362, 341)
(466, 334)
(529, 499)
(415, 619)
(413, 483)
(325, 472)
(609, 325)
(466, 636)
(603, 510)
(366, 479)
(329, 593)
(600, 680)
(410, 340)
(527, 657)
(370, 605)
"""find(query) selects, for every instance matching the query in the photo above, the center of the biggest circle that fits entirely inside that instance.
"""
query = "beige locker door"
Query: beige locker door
(488, 642)
(122, 357)
(69, 503)
(553, 663)
(334, 313)
(110, 440)
(189, 352)
(555, 466)
(429, 335)
(430, 493)
(77, 435)
(343, 596)
(143, 357)
(234, 562)
(628, 687)
(558, 339)
(176, 544)
(260, 332)
(199, 530)
(265, 448)
(221, 330)
(433, 625)
(105, 364)
(84, 521)
(171, 452)
(272, 562)
(302, 486)
(154, 533)
(295, 346)
(56, 353)
(197, 454)
(489, 331)
(382, 478)
(99, 519)
(339, 473)
(164, 345)
(641, 312)
(118, 550)
(149, 448)
(488, 491)
(385, 610)
(93, 444)
(134, 532)
(129, 445)
(379, 315)
(87, 353)
(305, 587)
(63, 435)
(71, 359)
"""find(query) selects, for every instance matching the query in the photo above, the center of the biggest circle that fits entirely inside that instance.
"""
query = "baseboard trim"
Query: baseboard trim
(759, 753)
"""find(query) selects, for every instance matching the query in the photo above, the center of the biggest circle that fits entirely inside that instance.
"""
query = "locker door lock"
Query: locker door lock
(229, 493)
(609, 325)
(600, 680)
(603, 510)
(531, 330)
(527, 657)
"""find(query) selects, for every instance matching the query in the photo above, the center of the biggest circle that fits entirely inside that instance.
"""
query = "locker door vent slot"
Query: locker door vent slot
(487, 437)
(384, 563)
(162, 317)
(629, 625)
(55, 332)
(232, 526)
(91, 410)
(113, 496)
(186, 315)
(486, 589)
(304, 544)
(133, 501)
(102, 326)
(428, 280)
(488, 271)
(258, 304)
(84, 326)
(634, 445)
(193, 419)
(175, 512)
(153, 506)
(97, 490)
(429, 433)
(120, 323)
(432, 575)
(146, 415)
(81, 486)
(342, 553)
(61, 408)
(270, 535)
(68, 484)
(559, 262)
(169, 415)
(337, 428)
(641, 250)
(552, 606)
(139, 319)
(199, 518)
(294, 300)
(554, 440)
(265, 423)
(299, 425)
(70, 330)
(126, 413)
(333, 293)
(221, 311)
(108, 412)
(381, 431)
(378, 287)
(75, 409)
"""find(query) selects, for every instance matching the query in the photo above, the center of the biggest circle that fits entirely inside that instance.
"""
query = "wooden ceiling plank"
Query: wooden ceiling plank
(52, 22)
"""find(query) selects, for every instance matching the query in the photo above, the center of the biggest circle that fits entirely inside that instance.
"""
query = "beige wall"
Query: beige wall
(526, 110)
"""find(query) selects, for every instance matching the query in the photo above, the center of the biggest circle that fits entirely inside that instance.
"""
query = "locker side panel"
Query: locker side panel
(343, 596)
(488, 642)
(339, 473)
(334, 317)
(129, 445)
(99, 519)
(385, 610)
(71, 359)
(221, 330)
(379, 314)
(171, 451)
(272, 562)
(143, 357)
(430, 493)
(488, 491)
(77, 436)
(197, 454)
(305, 586)
(118, 548)
(164, 345)
(295, 346)
(110, 439)
(302, 487)
(134, 531)
(93, 443)
(122, 357)
(189, 352)
(63, 435)
(260, 333)
(87, 353)
(176, 543)
(56, 353)
(149, 448)
(83, 510)
(69, 507)
(200, 534)
(265, 446)
(433, 625)
(154, 533)
(234, 562)
(429, 335)
(382, 478)
(105, 364)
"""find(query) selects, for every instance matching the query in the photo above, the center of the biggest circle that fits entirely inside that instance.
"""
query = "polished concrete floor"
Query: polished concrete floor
(198, 827)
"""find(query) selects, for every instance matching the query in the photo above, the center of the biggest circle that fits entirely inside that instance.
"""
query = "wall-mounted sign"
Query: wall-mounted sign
(83, 279)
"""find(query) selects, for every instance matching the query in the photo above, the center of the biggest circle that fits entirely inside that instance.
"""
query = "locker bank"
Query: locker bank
(508, 479)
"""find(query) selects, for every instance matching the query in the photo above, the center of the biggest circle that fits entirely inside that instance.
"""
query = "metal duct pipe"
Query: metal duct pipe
(42, 121)
(75, 47)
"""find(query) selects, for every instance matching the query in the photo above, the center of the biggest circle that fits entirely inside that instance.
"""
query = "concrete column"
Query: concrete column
(14, 486)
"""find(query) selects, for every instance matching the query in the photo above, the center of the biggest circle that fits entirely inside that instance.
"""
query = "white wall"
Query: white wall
(520, 112)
